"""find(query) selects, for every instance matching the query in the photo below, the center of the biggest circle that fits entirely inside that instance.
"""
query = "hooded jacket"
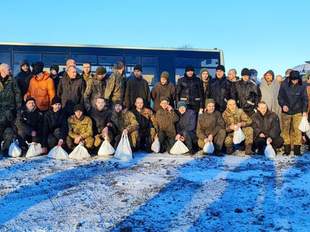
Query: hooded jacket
(42, 89)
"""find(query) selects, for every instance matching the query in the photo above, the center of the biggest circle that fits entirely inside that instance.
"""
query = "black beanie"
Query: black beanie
(294, 75)
(220, 67)
(78, 107)
(55, 67)
(56, 100)
(138, 67)
(101, 70)
(189, 68)
(37, 68)
(245, 72)
(30, 99)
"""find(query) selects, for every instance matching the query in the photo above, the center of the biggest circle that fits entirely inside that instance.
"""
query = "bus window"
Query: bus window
(50, 59)
(5, 57)
(84, 58)
(109, 60)
(30, 57)
(132, 60)
(149, 61)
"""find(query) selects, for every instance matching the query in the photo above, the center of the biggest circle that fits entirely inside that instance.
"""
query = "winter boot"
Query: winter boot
(287, 150)
(248, 149)
(297, 150)
(229, 150)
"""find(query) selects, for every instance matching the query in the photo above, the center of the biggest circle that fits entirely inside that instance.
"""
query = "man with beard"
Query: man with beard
(164, 88)
(95, 88)
(137, 87)
(190, 90)
(23, 77)
(220, 89)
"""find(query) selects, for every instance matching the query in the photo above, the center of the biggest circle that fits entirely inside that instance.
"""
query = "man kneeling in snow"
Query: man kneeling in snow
(266, 127)
(211, 127)
(124, 121)
(80, 129)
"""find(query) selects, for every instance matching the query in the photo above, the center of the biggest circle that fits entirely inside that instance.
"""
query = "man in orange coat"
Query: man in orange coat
(41, 87)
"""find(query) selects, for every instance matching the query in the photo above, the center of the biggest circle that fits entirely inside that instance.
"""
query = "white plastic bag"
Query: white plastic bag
(304, 124)
(238, 136)
(308, 134)
(179, 148)
(14, 149)
(79, 153)
(208, 148)
(34, 149)
(270, 152)
(106, 149)
(155, 145)
(58, 153)
(123, 150)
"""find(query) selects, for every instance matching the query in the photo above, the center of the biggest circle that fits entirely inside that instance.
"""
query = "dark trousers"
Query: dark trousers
(165, 141)
(260, 144)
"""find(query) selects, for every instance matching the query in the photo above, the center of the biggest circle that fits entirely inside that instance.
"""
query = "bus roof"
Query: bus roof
(111, 46)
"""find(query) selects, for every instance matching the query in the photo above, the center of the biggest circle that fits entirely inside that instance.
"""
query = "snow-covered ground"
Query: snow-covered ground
(156, 192)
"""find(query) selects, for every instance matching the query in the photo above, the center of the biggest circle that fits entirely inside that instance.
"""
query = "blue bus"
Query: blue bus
(153, 60)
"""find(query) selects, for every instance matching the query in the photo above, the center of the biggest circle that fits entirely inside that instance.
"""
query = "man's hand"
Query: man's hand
(200, 110)
(77, 139)
(210, 137)
(182, 138)
(125, 131)
(44, 150)
(178, 137)
(262, 135)
(60, 142)
(305, 114)
(269, 140)
(285, 109)
(33, 133)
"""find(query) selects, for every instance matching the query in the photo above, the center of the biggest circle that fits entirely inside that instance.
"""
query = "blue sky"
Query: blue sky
(257, 34)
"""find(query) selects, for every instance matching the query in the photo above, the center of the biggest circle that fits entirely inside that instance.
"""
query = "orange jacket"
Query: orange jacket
(42, 89)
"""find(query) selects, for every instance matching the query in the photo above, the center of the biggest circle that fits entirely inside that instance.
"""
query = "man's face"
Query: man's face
(210, 107)
(205, 76)
(118, 108)
(164, 104)
(137, 73)
(268, 77)
(219, 74)
(100, 104)
(5, 71)
(56, 107)
(25, 68)
(189, 73)
(262, 108)
(78, 114)
(231, 105)
(231, 75)
(163, 81)
(72, 73)
(139, 103)
(182, 109)
(245, 78)
(86, 68)
(100, 77)
(53, 72)
(30, 105)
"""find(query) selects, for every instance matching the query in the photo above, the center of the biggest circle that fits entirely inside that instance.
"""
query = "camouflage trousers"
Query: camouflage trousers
(7, 135)
(248, 134)
(289, 127)
(218, 140)
(88, 142)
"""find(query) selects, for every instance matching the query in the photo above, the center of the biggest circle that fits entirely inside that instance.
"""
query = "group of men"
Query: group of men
(67, 108)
